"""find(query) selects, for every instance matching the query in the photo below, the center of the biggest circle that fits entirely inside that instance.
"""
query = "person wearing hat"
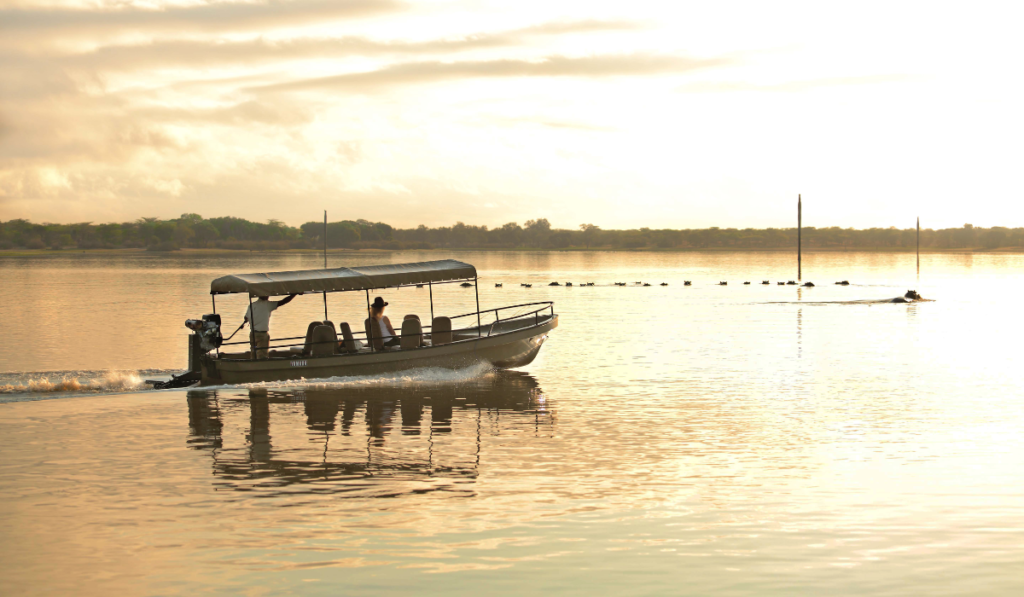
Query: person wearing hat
(258, 316)
(383, 323)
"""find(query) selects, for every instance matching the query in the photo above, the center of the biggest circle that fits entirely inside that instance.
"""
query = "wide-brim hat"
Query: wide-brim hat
(378, 303)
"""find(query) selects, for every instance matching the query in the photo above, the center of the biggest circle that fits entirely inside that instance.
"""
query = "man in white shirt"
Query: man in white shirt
(258, 314)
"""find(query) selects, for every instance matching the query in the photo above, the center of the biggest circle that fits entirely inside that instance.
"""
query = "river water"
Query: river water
(741, 440)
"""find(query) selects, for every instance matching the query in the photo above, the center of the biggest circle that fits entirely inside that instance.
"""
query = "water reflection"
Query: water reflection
(360, 441)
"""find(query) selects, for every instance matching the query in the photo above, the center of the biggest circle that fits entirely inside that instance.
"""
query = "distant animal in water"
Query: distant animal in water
(912, 295)
(746, 283)
(554, 284)
(620, 283)
(791, 283)
(466, 285)
(686, 283)
(809, 285)
(568, 283)
(527, 285)
(646, 284)
(589, 284)
(723, 283)
(843, 283)
(498, 285)
(765, 282)
(664, 283)
(638, 283)
(782, 283)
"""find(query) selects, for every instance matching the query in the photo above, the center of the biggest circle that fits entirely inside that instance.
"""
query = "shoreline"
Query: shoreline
(216, 251)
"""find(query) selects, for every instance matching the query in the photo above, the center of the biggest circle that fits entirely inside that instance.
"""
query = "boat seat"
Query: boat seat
(348, 343)
(374, 339)
(325, 341)
(411, 316)
(441, 331)
(337, 347)
(412, 334)
(307, 348)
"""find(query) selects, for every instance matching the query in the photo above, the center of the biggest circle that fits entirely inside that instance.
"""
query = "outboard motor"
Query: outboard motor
(205, 337)
(208, 330)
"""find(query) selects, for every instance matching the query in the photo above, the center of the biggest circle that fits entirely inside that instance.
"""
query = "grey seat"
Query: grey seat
(441, 331)
(373, 337)
(325, 341)
(307, 348)
(337, 347)
(348, 341)
(412, 334)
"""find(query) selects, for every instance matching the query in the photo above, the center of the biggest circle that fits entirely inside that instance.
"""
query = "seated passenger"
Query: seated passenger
(382, 323)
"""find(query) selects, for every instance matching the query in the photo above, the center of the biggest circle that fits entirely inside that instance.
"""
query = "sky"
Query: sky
(664, 114)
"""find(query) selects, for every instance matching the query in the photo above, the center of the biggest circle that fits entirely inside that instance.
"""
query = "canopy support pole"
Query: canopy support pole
(430, 287)
(476, 289)
(213, 297)
(252, 332)
(369, 316)
(325, 306)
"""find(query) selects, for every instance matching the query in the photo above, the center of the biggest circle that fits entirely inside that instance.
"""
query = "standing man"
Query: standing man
(258, 314)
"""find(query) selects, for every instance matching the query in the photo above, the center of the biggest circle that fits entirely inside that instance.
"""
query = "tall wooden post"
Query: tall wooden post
(799, 238)
(919, 244)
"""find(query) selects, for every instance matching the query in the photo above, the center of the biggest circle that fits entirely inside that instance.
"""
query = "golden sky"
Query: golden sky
(622, 114)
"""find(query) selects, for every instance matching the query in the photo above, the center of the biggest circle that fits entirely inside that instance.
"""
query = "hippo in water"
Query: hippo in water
(909, 297)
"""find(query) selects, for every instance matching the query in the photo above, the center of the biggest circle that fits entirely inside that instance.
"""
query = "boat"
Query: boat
(503, 337)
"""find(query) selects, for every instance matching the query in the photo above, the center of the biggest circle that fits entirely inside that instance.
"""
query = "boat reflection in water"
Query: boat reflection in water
(362, 441)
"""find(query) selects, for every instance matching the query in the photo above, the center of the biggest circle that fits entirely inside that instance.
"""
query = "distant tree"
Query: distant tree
(589, 232)
(190, 219)
(537, 232)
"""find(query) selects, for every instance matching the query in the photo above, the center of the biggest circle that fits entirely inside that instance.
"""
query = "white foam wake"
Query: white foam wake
(412, 377)
(62, 381)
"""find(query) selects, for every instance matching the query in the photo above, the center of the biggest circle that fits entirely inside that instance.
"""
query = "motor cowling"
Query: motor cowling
(208, 330)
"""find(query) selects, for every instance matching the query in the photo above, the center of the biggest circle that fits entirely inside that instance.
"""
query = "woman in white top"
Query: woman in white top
(382, 323)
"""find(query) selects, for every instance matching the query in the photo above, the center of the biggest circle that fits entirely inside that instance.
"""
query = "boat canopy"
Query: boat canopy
(344, 278)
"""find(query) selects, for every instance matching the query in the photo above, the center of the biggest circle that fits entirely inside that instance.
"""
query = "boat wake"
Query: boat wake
(429, 376)
(16, 387)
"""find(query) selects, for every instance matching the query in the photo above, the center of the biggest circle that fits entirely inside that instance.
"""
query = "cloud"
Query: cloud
(240, 114)
(206, 53)
(791, 86)
(221, 16)
(553, 66)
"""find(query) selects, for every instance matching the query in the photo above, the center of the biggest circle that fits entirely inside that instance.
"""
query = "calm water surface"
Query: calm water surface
(668, 440)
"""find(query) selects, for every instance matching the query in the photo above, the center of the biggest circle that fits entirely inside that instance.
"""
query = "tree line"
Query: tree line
(193, 231)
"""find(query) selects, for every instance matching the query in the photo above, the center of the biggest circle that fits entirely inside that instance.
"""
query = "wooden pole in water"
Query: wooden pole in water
(799, 238)
(918, 244)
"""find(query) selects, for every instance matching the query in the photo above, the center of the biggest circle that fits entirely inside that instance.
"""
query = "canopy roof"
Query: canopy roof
(344, 278)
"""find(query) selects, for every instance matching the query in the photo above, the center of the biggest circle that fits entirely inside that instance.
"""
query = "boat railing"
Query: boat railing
(544, 309)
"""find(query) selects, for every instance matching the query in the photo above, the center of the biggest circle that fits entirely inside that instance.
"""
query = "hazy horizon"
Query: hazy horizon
(624, 116)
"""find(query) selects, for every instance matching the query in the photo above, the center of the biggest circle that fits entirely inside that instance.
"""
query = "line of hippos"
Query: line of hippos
(911, 295)
(685, 283)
